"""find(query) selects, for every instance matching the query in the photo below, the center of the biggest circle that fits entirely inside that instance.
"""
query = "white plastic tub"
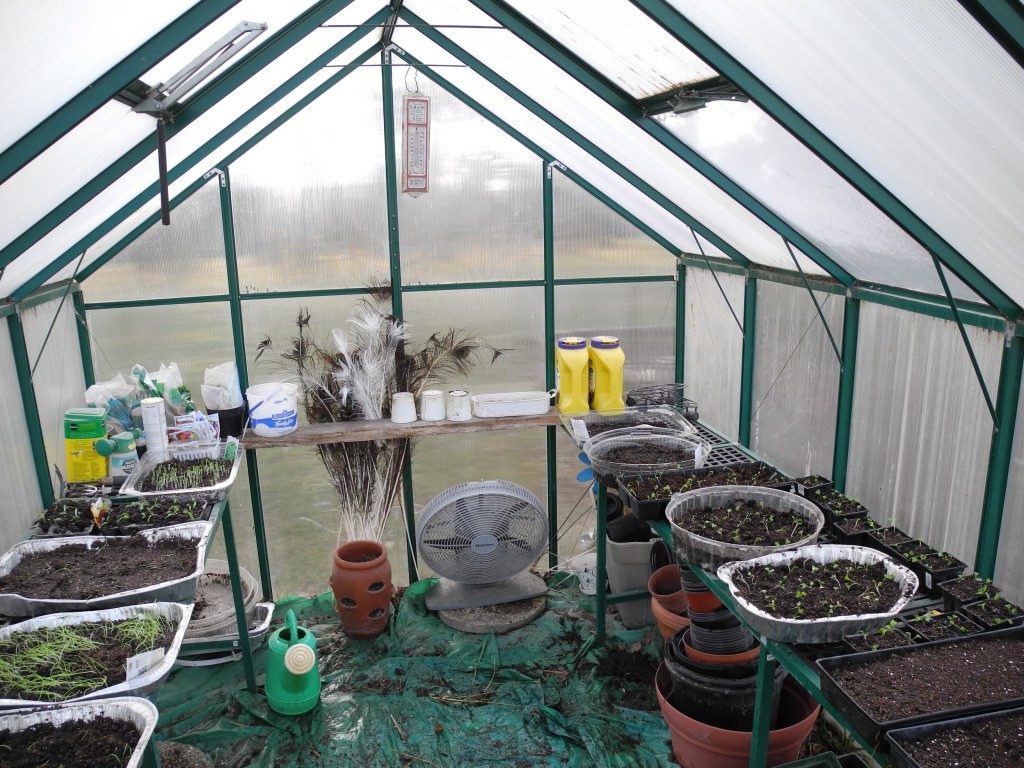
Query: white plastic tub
(512, 404)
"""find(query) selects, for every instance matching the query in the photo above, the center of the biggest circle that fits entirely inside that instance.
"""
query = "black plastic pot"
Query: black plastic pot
(951, 602)
(994, 613)
(884, 539)
(653, 509)
(857, 538)
(900, 738)
(929, 577)
(719, 632)
(722, 696)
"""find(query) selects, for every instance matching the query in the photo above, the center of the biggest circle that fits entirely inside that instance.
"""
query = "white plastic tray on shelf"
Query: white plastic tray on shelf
(140, 712)
(583, 426)
(145, 683)
(830, 628)
(511, 404)
(183, 451)
(227, 643)
(182, 589)
(214, 594)
(689, 450)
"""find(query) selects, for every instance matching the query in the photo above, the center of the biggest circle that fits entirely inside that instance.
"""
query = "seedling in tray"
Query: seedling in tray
(968, 588)
(934, 625)
(994, 612)
(183, 474)
(892, 635)
(747, 522)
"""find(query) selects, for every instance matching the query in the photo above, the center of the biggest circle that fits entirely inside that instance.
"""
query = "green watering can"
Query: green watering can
(293, 679)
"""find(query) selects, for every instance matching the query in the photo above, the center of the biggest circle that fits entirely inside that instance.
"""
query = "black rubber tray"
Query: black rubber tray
(900, 758)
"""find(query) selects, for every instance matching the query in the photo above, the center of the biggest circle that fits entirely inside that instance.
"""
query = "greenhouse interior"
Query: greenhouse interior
(420, 353)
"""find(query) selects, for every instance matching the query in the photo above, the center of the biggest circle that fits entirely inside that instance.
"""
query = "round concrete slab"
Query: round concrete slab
(500, 618)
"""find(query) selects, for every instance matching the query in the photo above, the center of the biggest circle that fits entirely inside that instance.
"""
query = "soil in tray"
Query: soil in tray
(838, 503)
(993, 743)
(746, 522)
(90, 655)
(889, 536)
(651, 420)
(99, 743)
(889, 636)
(970, 587)
(934, 625)
(67, 517)
(648, 454)
(76, 572)
(936, 678)
(662, 486)
(805, 589)
(182, 474)
(926, 556)
(994, 612)
(154, 512)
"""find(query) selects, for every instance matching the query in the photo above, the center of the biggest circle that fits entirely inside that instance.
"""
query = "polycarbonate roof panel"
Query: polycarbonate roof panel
(179, 149)
(620, 41)
(764, 158)
(67, 164)
(917, 93)
(51, 50)
(531, 73)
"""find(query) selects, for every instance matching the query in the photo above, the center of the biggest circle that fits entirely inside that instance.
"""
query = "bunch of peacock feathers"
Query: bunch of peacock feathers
(354, 377)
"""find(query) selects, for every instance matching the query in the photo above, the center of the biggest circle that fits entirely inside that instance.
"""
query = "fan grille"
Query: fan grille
(482, 532)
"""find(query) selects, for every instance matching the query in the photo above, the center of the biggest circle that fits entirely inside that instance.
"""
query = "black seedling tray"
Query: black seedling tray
(899, 757)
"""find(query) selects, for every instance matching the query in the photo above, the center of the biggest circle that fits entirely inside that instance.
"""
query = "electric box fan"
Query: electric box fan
(481, 539)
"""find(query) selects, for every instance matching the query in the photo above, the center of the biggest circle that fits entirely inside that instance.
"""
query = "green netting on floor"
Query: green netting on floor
(427, 695)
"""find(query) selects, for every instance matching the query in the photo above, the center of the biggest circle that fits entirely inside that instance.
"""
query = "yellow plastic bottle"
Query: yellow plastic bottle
(607, 361)
(571, 374)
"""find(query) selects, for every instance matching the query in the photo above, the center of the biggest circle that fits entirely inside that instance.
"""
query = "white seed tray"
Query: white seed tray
(217, 491)
(141, 713)
(830, 628)
(138, 686)
(179, 590)
(511, 404)
(259, 620)
(578, 425)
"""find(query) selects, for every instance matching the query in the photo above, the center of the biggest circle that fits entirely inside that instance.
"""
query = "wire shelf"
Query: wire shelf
(664, 394)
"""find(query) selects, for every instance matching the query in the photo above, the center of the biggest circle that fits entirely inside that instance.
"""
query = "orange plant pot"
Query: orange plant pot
(666, 588)
(703, 602)
(361, 582)
(668, 622)
(697, 745)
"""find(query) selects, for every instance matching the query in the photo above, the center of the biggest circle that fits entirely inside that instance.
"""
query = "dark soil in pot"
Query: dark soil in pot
(967, 589)
(994, 612)
(805, 589)
(67, 517)
(77, 572)
(936, 678)
(934, 625)
(852, 530)
(99, 743)
(995, 742)
(664, 484)
(747, 522)
(889, 636)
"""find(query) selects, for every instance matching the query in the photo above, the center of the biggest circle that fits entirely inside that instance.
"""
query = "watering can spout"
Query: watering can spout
(293, 627)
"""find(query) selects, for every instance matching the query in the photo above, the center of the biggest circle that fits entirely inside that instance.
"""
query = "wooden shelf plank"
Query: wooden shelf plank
(383, 429)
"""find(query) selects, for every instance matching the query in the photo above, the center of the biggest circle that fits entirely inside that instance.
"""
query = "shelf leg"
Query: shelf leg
(241, 620)
(600, 603)
(762, 708)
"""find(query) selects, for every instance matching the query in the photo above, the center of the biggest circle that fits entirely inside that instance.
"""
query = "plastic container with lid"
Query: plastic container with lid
(607, 361)
(572, 362)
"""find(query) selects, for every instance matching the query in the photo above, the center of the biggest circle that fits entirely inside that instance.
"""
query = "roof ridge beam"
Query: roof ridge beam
(629, 108)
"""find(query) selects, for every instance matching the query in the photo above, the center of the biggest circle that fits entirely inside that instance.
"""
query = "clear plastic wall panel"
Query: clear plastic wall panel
(507, 319)
(714, 348)
(100, 211)
(641, 315)
(57, 378)
(309, 200)
(891, 77)
(614, 133)
(921, 431)
(552, 141)
(21, 502)
(277, 320)
(481, 218)
(68, 164)
(621, 42)
(51, 50)
(195, 336)
(591, 240)
(1009, 574)
(770, 163)
(796, 379)
(184, 259)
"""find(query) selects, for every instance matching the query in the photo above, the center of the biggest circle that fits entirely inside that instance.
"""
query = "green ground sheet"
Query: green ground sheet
(424, 694)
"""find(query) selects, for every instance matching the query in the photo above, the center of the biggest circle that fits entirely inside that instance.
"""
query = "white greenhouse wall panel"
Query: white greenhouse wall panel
(796, 379)
(1009, 575)
(921, 431)
(58, 379)
(20, 503)
(714, 348)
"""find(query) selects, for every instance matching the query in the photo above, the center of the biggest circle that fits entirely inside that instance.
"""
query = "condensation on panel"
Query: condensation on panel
(714, 347)
(507, 319)
(591, 240)
(183, 259)
(921, 430)
(481, 218)
(1009, 573)
(58, 378)
(310, 199)
(796, 378)
(21, 501)
(195, 336)
(642, 315)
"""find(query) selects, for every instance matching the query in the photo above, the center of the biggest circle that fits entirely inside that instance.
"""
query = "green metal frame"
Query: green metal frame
(84, 343)
(844, 404)
(103, 89)
(747, 371)
(571, 133)
(629, 108)
(1004, 20)
(680, 322)
(548, 208)
(30, 407)
(721, 61)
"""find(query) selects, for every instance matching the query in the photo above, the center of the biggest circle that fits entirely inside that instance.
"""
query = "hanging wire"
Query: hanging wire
(56, 314)
(714, 275)
(415, 80)
(814, 298)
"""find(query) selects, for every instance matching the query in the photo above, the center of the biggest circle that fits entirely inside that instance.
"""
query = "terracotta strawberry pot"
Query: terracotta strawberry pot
(361, 582)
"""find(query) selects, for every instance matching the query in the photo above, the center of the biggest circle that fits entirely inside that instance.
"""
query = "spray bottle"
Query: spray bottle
(121, 450)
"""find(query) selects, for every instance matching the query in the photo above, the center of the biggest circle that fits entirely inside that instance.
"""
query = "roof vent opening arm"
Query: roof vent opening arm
(720, 288)
(817, 306)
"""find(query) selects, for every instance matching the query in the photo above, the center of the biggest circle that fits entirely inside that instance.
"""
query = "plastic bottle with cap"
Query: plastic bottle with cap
(571, 373)
(607, 361)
